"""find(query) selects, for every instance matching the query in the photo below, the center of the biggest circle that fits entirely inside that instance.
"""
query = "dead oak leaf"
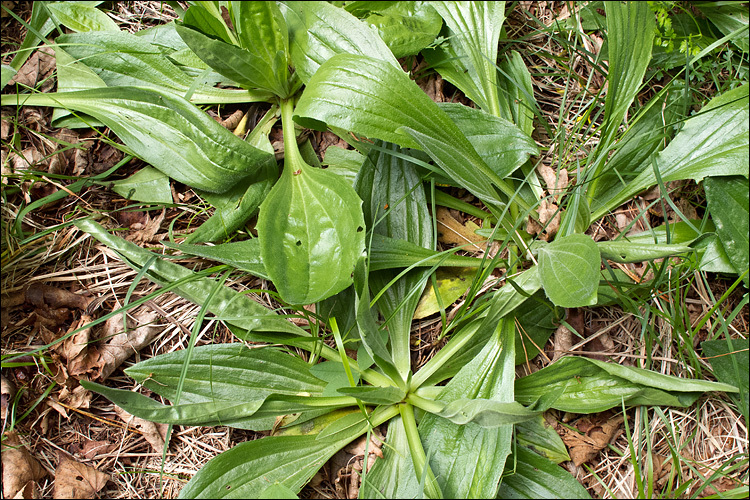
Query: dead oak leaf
(146, 233)
(76, 480)
(19, 467)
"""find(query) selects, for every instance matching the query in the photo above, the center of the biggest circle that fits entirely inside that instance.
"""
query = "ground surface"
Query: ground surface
(80, 444)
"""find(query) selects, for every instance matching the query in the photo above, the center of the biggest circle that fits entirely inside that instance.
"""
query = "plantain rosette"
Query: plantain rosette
(311, 228)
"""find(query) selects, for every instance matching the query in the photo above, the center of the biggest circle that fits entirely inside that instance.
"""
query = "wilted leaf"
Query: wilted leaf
(152, 432)
(594, 434)
(451, 286)
(76, 480)
(19, 467)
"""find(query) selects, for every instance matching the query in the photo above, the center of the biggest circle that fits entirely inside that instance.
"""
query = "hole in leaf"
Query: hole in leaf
(228, 486)
(79, 478)
(299, 243)
(360, 229)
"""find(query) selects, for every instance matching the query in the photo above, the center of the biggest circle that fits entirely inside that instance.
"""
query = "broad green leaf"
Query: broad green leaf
(393, 476)
(630, 35)
(241, 65)
(369, 331)
(569, 268)
(729, 205)
(528, 475)
(391, 107)
(374, 395)
(164, 130)
(712, 143)
(311, 234)
(334, 374)
(243, 255)
(539, 436)
(233, 307)
(389, 253)
(80, 17)
(255, 414)
(406, 27)
(227, 372)
(262, 31)
(319, 31)
(343, 162)
(143, 64)
(485, 412)
(7, 74)
(395, 206)
(474, 33)
(729, 360)
(450, 286)
(73, 75)
(468, 460)
(625, 251)
(148, 185)
(729, 18)
(590, 386)
(502, 145)
(245, 470)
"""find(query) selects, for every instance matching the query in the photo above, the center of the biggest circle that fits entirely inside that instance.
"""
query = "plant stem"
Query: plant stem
(292, 158)
(418, 457)
(427, 405)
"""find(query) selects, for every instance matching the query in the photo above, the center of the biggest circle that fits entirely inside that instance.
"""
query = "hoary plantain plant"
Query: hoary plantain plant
(360, 243)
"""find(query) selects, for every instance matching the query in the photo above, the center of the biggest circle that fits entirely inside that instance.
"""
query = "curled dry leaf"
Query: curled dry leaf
(146, 233)
(19, 467)
(154, 433)
(38, 67)
(595, 433)
(46, 296)
(76, 480)
(557, 182)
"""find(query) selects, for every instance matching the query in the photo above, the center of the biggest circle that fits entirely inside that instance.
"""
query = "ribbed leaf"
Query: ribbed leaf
(569, 268)
(468, 460)
(311, 234)
(713, 143)
(502, 145)
(140, 63)
(474, 33)
(233, 307)
(406, 27)
(392, 190)
(590, 386)
(539, 436)
(730, 209)
(148, 185)
(528, 475)
(393, 476)
(625, 251)
(319, 31)
(81, 17)
(373, 98)
(164, 130)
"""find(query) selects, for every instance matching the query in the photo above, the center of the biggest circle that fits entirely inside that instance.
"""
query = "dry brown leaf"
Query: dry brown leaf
(29, 491)
(36, 68)
(146, 233)
(549, 216)
(19, 467)
(451, 231)
(76, 480)
(556, 183)
(79, 397)
(7, 393)
(154, 433)
(596, 432)
(93, 449)
(122, 344)
(29, 157)
(46, 296)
